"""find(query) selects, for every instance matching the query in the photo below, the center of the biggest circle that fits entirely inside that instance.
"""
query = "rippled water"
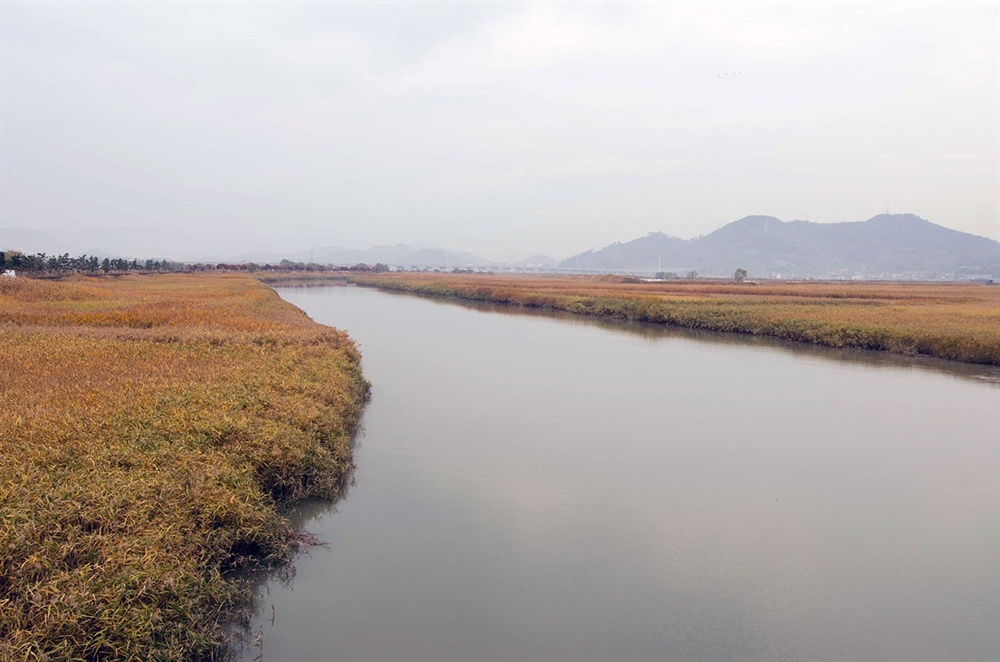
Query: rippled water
(538, 488)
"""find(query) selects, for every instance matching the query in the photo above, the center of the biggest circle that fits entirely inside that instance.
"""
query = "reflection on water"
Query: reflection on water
(652, 331)
(539, 488)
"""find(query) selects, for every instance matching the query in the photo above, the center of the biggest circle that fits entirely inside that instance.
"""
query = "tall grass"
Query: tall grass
(953, 321)
(151, 427)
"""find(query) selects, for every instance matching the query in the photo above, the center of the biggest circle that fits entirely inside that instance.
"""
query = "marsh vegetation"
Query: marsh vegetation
(151, 428)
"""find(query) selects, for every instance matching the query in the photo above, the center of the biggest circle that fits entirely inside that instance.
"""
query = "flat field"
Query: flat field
(955, 321)
(150, 429)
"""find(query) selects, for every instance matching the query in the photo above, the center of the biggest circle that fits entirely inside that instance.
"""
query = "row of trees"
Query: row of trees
(739, 275)
(91, 264)
(670, 275)
(63, 264)
(286, 265)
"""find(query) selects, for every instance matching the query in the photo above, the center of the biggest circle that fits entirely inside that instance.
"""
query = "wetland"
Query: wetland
(538, 488)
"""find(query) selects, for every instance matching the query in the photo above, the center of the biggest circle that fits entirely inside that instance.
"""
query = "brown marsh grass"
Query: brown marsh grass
(151, 427)
(953, 321)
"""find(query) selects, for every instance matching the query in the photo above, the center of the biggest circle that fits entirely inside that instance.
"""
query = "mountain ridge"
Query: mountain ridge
(903, 246)
(885, 245)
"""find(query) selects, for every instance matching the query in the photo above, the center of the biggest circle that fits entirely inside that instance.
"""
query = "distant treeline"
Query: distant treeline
(41, 263)
(62, 264)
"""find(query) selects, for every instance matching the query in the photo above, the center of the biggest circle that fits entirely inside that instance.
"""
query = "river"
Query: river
(539, 488)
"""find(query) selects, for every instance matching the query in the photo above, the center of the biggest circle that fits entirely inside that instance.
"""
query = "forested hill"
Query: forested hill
(886, 246)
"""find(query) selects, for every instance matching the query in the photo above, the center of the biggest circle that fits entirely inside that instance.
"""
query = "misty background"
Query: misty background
(193, 129)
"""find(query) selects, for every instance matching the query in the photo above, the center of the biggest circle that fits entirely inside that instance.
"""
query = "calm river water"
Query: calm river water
(539, 488)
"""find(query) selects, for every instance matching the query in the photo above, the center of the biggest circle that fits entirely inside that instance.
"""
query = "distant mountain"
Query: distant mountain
(505, 256)
(536, 262)
(885, 246)
(129, 243)
(400, 255)
(652, 252)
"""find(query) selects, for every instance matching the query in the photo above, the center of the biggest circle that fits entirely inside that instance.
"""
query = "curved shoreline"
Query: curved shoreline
(941, 322)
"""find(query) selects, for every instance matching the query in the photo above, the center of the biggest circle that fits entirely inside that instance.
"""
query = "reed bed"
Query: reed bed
(151, 429)
(955, 321)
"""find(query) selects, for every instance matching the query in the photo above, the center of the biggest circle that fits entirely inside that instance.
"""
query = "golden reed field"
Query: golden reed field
(151, 428)
(955, 321)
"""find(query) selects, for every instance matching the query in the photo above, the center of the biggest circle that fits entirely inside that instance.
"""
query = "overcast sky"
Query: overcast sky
(546, 127)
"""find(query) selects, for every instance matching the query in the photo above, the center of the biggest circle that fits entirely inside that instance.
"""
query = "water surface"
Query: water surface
(533, 488)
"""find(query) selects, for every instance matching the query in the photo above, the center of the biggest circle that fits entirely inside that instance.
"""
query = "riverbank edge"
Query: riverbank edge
(707, 316)
(246, 487)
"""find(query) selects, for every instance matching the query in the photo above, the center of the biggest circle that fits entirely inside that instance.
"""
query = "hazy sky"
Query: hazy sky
(548, 127)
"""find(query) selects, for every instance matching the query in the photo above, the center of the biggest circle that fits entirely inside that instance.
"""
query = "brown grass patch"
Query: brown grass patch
(150, 427)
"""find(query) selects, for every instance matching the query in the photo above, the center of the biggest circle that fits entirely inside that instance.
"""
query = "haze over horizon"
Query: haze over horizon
(551, 128)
